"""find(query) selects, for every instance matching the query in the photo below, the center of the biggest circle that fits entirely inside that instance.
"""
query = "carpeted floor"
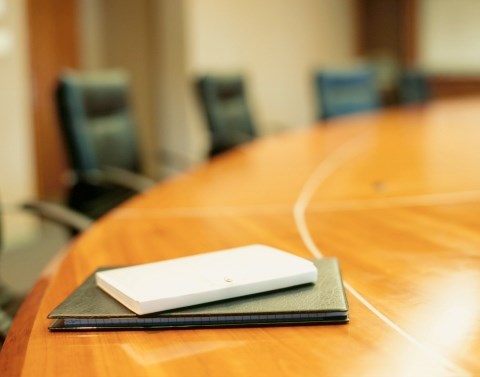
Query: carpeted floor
(21, 267)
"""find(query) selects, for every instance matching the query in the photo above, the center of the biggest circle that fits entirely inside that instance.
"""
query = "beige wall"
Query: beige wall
(119, 34)
(180, 139)
(448, 36)
(92, 36)
(276, 43)
(16, 143)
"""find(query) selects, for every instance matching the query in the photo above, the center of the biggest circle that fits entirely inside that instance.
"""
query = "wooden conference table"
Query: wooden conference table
(395, 196)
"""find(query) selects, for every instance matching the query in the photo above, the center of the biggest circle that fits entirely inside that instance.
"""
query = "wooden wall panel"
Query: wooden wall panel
(53, 39)
(387, 26)
(454, 86)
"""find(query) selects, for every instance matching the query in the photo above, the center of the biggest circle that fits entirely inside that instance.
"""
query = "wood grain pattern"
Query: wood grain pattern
(394, 195)
(53, 41)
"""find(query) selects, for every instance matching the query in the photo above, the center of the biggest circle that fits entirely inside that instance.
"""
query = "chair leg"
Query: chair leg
(9, 304)
(5, 323)
(5, 296)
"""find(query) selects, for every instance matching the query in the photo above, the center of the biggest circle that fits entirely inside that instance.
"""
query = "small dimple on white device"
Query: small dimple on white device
(203, 278)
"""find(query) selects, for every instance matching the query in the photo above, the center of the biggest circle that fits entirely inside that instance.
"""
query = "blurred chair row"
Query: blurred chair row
(100, 132)
(357, 90)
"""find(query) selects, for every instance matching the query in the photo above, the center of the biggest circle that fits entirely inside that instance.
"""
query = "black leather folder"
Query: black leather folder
(88, 308)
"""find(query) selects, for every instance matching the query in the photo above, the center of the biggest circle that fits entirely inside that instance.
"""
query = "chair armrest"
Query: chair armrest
(127, 179)
(59, 214)
(118, 177)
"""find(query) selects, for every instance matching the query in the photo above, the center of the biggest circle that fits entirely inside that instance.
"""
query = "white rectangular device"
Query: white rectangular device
(197, 279)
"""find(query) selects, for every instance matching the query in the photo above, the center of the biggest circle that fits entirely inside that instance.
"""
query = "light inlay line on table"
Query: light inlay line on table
(440, 199)
(319, 175)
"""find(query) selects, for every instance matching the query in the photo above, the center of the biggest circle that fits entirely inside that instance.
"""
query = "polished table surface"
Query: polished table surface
(395, 196)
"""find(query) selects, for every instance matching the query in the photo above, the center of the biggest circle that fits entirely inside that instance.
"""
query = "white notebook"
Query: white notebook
(202, 278)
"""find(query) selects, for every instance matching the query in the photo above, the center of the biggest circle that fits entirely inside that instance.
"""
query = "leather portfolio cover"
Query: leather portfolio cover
(89, 308)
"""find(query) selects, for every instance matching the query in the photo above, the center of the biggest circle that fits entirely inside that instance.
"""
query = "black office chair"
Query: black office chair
(346, 92)
(101, 142)
(74, 222)
(413, 87)
(223, 99)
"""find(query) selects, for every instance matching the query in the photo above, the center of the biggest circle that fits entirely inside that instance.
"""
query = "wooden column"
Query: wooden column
(53, 39)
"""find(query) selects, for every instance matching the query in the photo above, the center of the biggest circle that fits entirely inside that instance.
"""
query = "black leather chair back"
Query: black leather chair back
(346, 92)
(99, 132)
(413, 87)
(227, 112)
(96, 121)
